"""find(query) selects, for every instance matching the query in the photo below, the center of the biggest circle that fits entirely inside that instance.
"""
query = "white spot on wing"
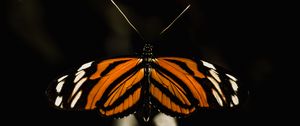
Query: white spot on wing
(78, 85)
(79, 75)
(216, 84)
(233, 85)
(235, 99)
(86, 65)
(215, 75)
(59, 86)
(209, 65)
(75, 99)
(218, 98)
(58, 100)
(231, 77)
(126, 121)
(164, 120)
(140, 60)
(61, 78)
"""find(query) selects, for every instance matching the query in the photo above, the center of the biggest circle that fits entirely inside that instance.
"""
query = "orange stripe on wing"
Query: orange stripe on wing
(167, 102)
(104, 64)
(190, 64)
(130, 101)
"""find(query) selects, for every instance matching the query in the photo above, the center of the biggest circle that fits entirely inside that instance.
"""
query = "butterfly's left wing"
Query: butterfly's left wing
(181, 85)
(112, 86)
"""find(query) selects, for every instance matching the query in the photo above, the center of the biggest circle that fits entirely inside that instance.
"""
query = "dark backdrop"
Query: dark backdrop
(44, 38)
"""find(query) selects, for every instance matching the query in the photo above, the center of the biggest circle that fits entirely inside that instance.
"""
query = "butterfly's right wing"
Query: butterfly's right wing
(112, 86)
(179, 86)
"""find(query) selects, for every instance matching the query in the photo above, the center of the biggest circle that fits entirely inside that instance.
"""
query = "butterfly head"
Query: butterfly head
(147, 50)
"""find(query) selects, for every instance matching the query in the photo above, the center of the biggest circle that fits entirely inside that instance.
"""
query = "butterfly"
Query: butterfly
(117, 87)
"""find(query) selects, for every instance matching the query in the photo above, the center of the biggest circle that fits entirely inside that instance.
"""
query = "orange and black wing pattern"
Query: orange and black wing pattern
(179, 86)
(111, 86)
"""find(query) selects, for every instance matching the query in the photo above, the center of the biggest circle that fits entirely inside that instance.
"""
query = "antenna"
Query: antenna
(163, 31)
(137, 31)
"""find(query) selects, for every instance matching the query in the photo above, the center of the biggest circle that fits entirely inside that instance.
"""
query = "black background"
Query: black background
(44, 38)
